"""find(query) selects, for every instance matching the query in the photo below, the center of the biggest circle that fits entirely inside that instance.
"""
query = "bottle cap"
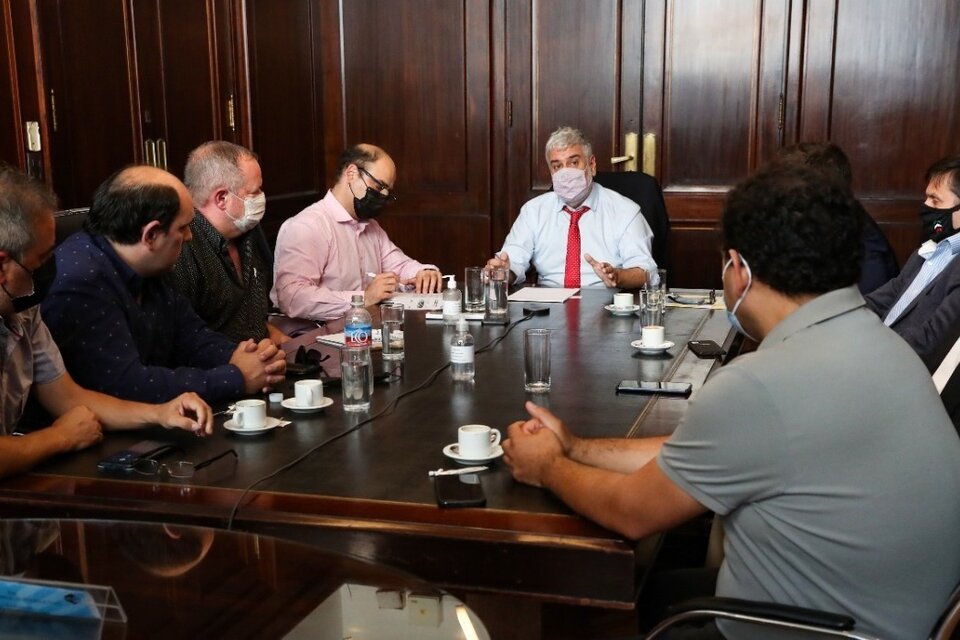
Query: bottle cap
(452, 282)
(357, 299)
(461, 323)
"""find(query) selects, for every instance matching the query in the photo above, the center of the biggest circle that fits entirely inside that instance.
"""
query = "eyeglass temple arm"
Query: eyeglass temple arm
(208, 462)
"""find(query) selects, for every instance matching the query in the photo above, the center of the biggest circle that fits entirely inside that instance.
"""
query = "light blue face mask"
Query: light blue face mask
(732, 313)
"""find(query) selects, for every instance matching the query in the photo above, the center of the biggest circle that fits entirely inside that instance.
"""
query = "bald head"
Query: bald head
(134, 197)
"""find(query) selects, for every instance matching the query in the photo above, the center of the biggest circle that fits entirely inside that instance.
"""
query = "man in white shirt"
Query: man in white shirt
(580, 234)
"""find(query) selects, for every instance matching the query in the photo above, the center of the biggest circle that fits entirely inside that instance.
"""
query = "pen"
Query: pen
(456, 472)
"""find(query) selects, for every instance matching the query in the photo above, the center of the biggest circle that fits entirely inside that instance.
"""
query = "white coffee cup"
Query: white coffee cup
(623, 300)
(477, 441)
(652, 335)
(250, 414)
(308, 393)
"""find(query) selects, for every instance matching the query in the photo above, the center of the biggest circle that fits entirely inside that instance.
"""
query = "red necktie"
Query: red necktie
(571, 272)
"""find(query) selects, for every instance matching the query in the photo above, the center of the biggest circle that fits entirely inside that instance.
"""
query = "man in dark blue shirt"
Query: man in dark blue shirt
(121, 328)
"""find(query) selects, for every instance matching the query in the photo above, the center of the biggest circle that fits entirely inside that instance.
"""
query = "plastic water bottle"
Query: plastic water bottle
(461, 352)
(452, 301)
(356, 380)
(358, 325)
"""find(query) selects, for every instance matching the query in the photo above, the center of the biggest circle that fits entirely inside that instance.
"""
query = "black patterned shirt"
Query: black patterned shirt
(236, 307)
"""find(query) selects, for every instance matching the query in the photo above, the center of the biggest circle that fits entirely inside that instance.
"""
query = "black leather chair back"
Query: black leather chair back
(645, 191)
(68, 222)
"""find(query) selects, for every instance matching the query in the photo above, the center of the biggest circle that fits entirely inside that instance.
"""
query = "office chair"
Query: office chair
(794, 618)
(68, 222)
(645, 191)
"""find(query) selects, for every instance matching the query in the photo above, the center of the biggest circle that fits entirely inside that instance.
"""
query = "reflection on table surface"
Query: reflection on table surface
(176, 581)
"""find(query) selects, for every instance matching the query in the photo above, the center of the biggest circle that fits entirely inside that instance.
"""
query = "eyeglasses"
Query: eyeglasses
(181, 469)
(382, 186)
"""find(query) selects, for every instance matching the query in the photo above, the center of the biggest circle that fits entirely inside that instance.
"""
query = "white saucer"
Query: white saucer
(291, 403)
(651, 349)
(622, 311)
(452, 451)
(272, 423)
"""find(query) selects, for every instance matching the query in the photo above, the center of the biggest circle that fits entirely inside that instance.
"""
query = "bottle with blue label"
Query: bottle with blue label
(452, 301)
(358, 325)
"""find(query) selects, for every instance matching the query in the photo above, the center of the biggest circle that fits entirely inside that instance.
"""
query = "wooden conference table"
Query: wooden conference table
(368, 493)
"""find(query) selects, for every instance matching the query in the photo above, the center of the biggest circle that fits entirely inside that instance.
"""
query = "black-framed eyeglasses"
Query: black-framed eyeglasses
(181, 469)
(382, 186)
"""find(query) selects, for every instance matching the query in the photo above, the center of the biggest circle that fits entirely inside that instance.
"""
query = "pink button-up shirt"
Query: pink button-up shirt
(322, 257)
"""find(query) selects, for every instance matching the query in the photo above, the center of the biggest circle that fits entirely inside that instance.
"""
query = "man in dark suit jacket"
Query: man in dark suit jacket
(922, 304)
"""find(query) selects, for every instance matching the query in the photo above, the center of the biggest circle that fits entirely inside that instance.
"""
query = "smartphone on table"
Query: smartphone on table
(706, 349)
(124, 460)
(680, 389)
(459, 491)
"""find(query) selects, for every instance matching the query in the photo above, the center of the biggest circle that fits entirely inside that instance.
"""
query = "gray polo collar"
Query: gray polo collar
(824, 307)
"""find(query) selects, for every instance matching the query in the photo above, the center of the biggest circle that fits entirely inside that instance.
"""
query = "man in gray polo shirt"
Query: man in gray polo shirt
(827, 452)
(30, 361)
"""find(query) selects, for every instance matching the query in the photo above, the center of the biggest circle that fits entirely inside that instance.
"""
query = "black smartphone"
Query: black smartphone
(706, 348)
(681, 389)
(124, 460)
(459, 491)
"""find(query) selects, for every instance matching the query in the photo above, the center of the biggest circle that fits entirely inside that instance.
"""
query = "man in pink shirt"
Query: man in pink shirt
(334, 248)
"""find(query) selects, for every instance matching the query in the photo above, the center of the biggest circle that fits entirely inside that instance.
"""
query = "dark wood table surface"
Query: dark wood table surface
(368, 493)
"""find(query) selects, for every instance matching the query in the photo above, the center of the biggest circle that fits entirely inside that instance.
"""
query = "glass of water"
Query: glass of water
(497, 292)
(391, 316)
(536, 360)
(473, 289)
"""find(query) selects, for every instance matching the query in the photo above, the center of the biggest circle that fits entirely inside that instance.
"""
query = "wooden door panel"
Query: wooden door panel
(193, 107)
(177, 58)
(714, 79)
(286, 87)
(10, 140)
(416, 81)
(92, 122)
(710, 89)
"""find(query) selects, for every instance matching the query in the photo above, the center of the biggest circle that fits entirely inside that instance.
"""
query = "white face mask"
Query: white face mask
(253, 208)
(572, 185)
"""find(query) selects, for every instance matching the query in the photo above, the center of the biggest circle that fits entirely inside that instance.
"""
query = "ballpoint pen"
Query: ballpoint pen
(456, 472)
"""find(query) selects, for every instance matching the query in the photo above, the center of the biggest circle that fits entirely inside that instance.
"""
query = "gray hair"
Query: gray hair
(23, 200)
(213, 165)
(566, 137)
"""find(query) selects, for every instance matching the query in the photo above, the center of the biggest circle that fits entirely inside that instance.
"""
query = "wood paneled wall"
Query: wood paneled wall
(463, 94)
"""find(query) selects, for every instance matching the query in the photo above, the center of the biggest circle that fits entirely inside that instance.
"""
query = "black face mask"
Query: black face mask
(370, 205)
(43, 278)
(938, 223)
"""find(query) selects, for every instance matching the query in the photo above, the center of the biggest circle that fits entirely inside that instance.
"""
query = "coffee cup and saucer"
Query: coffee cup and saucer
(476, 443)
(250, 418)
(622, 305)
(308, 397)
(651, 341)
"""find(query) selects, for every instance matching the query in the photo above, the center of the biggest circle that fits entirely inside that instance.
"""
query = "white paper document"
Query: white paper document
(541, 294)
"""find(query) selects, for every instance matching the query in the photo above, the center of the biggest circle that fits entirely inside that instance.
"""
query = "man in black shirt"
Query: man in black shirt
(226, 271)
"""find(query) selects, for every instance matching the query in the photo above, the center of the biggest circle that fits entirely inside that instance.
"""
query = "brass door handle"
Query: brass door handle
(150, 152)
(650, 154)
(629, 159)
(162, 155)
